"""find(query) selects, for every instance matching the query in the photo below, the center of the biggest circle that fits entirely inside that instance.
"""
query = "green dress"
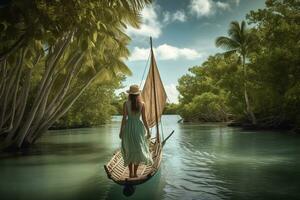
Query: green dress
(134, 146)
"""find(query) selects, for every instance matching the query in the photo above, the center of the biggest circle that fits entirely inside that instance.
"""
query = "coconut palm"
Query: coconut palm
(239, 42)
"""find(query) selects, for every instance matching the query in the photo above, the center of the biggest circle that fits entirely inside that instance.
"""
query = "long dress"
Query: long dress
(134, 145)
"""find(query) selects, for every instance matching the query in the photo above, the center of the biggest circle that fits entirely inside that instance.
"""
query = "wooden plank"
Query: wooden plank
(119, 170)
(124, 171)
(116, 164)
(143, 170)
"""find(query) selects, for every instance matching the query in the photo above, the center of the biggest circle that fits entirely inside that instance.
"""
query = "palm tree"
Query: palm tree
(238, 42)
(89, 44)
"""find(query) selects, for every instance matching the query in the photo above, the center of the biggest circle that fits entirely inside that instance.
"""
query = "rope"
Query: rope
(145, 70)
(162, 130)
(168, 100)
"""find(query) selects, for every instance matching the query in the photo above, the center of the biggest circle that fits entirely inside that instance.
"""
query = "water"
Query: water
(209, 161)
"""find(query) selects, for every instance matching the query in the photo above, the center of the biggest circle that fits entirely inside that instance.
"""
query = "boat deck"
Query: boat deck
(116, 170)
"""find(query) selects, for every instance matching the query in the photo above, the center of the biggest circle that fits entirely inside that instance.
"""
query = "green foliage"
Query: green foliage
(118, 101)
(272, 78)
(275, 62)
(217, 80)
(94, 107)
(171, 109)
(206, 107)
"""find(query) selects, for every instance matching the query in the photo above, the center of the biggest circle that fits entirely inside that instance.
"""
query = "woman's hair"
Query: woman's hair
(135, 105)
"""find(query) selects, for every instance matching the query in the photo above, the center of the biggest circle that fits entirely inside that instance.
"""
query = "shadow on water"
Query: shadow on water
(151, 190)
(61, 151)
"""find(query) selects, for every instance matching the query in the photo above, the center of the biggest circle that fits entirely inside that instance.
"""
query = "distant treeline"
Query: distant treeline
(171, 109)
(257, 78)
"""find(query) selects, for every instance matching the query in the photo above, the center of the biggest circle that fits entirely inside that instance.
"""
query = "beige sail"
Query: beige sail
(153, 88)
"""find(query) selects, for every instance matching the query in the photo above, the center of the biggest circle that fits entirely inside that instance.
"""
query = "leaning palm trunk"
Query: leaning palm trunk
(23, 121)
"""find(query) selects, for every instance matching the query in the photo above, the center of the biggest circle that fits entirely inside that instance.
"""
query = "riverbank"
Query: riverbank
(261, 127)
(249, 126)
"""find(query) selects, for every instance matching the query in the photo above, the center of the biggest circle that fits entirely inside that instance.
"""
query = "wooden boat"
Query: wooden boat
(155, 97)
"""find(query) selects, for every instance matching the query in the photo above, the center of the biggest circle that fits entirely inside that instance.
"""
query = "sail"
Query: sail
(153, 88)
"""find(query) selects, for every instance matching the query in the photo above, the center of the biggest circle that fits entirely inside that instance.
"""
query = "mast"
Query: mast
(154, 90)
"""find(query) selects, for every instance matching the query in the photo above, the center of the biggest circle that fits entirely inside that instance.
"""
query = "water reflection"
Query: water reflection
(208, 161)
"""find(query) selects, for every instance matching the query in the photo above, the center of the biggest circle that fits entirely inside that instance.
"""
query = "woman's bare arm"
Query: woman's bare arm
(123, 120)
(145, 120)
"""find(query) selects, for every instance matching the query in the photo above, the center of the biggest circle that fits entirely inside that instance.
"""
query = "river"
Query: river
(200, 161)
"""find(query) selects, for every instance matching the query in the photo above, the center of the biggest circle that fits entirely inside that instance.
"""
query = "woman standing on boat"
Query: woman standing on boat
(134, 146)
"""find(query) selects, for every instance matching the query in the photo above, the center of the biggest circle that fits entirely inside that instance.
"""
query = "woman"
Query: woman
(134, 146)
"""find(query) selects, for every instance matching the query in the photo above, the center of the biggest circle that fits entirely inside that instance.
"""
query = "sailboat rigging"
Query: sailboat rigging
(154, 96)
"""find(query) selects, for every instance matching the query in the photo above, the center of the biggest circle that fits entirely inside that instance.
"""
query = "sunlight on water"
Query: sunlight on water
(208, 161)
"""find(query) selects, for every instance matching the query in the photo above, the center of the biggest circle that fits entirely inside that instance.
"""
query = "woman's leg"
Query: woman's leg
(130, 170)
(135, 169)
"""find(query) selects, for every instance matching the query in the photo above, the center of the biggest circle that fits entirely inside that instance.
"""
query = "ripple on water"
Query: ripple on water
(193, 174)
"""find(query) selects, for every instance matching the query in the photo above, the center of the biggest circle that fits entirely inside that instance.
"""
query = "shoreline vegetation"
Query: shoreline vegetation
(255, 81)
(61, 71)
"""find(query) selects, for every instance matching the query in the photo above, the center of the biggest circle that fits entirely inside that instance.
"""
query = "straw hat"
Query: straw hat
(134, 89)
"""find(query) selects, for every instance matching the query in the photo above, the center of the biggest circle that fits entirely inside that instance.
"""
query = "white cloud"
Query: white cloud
(223, 6)
(201, 7)
(139, 54)
(179, 15)
(150, 25)
(205, 8)
(172, 93)
(167, 17)
(165, 52)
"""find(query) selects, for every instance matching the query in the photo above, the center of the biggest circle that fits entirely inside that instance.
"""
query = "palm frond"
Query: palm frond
(137, 4)
(133, 4)
(234, 28)
(229, 53)
(121, 67)
(240, 40)
(243, 27)
(226, 43)
(235, 32)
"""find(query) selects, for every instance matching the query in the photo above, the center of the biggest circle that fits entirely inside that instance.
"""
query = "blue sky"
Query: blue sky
(183, 33)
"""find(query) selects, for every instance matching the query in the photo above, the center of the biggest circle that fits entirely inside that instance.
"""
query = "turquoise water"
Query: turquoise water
(208, 161)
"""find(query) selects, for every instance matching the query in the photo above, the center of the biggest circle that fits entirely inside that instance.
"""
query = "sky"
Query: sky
(184, 33)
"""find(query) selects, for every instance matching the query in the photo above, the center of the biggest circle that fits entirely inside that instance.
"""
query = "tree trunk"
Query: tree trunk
(45, 84)
(13, 48)
(59, 112)
(248, 106)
